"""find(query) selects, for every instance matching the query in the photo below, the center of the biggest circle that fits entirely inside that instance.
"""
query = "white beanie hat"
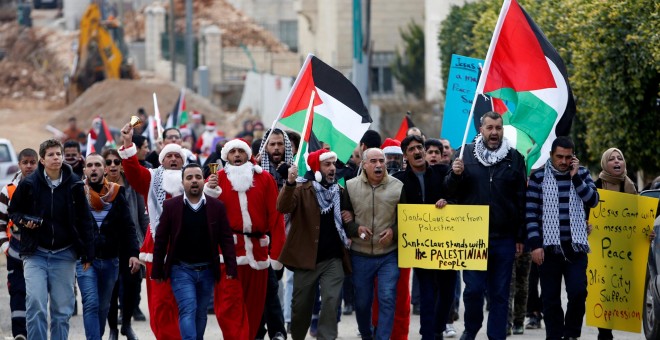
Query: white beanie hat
(171, 148)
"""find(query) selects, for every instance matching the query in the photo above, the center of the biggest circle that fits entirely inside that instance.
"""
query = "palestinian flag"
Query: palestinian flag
(103, 139)
(179, 114)
(524, 69)
(339, 115)
(406, 124)
(308, 144)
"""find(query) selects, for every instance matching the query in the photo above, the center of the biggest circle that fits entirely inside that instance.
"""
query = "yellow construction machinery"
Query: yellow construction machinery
(98, 55)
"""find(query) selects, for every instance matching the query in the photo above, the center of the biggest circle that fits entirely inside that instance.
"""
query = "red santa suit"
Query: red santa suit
(259, 237)
(156, 185)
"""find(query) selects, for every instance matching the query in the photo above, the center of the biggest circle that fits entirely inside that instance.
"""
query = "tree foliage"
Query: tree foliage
(612, 54)
(408, 68)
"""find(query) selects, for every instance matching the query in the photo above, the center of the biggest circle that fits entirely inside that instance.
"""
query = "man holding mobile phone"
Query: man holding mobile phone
(557, 235)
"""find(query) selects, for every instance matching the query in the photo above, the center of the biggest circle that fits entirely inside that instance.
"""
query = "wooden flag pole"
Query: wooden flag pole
(304, 130)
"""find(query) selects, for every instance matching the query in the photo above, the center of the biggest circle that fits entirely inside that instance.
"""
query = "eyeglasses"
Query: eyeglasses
(109, 162)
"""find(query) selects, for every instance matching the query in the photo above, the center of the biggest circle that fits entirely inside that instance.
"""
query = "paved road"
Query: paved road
(347, 327)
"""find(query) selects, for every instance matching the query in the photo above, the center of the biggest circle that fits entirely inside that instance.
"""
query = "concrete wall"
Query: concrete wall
(436, 11)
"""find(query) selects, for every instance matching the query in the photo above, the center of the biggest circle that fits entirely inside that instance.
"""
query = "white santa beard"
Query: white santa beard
(240, 176)
(172, 183)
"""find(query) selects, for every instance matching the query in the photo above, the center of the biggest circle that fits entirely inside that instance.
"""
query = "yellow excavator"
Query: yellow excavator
(98, 56)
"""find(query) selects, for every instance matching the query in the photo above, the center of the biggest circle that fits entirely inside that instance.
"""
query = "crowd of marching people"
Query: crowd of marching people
(217, 224)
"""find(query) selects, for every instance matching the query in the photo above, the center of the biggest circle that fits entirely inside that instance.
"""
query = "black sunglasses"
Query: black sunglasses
(109, 162)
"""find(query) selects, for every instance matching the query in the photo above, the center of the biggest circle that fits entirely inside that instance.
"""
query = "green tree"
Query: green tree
(408, 68)
(612, 54)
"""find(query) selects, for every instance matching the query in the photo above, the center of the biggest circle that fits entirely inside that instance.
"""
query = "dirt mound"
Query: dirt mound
(117, 100)
(28, 69)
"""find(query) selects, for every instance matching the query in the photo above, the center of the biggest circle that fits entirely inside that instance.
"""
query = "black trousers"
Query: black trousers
(273, 315)
(127, 290)
(16, 285)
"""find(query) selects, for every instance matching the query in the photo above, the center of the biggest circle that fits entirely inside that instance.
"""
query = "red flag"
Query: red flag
(406, 124)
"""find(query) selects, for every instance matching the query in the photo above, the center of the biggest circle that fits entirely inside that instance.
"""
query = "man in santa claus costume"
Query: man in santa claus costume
(155, 185)
(249, 194)
(204, 143)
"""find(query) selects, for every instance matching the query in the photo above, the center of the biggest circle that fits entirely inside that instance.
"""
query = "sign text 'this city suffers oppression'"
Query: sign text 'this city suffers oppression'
(452, 238)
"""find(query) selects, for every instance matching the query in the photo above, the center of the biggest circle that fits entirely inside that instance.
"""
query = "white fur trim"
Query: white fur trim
(172, 148)
(126, 153)
(243, 261)
(146, 257)
(327, 155)
(318, 177)
(233, 144)
(393, 149)
(265, 241)
(235, 239)
(247, 228)
(277, 265)
(213, 192)
(258, 169)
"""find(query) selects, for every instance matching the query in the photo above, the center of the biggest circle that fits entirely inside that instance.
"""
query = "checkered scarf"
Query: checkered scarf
(288, 153)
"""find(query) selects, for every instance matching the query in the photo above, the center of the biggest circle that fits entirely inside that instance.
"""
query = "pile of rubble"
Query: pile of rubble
(28, 69)
(117, 100)
(237, 28)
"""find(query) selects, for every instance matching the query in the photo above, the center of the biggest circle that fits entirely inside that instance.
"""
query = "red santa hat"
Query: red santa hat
(239, 143)
(169, 148)
(315, 158)
(185, 131)
(391, 146)
(210, 125)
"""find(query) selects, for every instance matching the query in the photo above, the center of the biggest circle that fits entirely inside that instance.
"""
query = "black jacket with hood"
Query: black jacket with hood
(67, 221)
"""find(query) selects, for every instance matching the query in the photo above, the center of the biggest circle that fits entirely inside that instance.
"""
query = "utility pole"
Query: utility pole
(170, 24)
(362, 47)
(189, 45)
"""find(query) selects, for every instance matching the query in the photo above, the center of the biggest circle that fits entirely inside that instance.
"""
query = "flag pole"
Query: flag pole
(288, 99)
(159, 126)
(305, 126)
(484, 74)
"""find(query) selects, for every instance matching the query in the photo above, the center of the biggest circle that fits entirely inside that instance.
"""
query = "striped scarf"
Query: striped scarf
(550, 216)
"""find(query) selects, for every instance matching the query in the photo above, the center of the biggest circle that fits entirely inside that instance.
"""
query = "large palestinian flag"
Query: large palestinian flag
(339, 115)
(524, 69)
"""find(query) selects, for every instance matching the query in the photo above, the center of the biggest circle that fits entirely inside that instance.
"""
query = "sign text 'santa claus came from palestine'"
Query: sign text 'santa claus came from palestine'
(454, 237)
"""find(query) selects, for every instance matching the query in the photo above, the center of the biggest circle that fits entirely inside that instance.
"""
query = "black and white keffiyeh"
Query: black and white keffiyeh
(288, 153)
(329, 199)
(550, 216)
(490, 157)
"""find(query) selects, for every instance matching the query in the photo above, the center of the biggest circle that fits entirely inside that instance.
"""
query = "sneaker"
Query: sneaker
(20, 337)
(449, 332)
(518, 329)
(279, 336)
(348, 309)
(466, 336)
(138, 315)
(533, 322)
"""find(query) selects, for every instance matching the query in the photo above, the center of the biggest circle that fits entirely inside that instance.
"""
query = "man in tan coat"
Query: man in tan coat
(373, 197)
(316, 243)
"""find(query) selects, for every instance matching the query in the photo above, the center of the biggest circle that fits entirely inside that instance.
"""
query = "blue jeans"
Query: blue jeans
(495, 282)
(288, 294)
(49, 274)
(192, 290)
(96, 284)
(365, 270)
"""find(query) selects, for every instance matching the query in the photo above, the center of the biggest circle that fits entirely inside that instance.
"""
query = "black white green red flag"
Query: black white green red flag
(340, 117)
(524, 69)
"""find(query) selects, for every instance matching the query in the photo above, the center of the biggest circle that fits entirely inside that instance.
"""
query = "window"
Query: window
(381, 72)
(289, 34)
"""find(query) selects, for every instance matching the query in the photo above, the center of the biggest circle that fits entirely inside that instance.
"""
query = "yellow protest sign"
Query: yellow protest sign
(617, 262)
(452, 238)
